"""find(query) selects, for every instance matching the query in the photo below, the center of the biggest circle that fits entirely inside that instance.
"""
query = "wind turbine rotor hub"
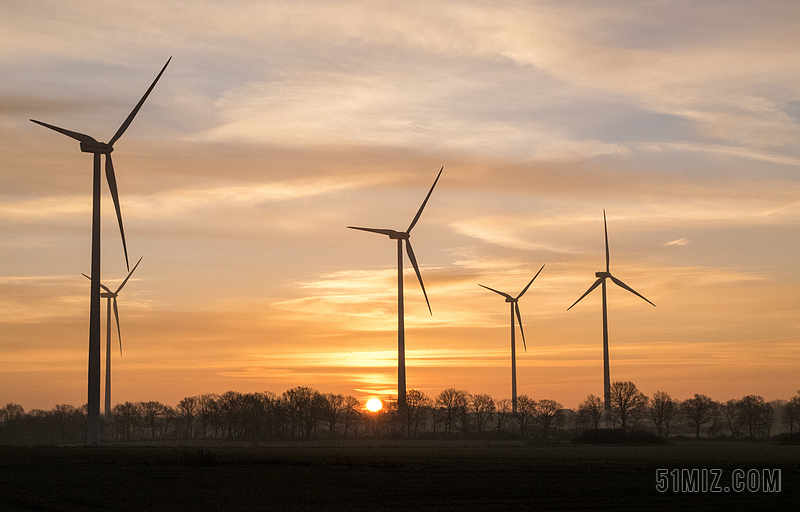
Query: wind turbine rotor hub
(99, 147)
(602, 274)
(509, 299)
(399, 236)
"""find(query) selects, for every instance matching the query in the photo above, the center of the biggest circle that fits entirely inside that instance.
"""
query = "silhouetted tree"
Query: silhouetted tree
(502, 415)
(590, 412)
(11, 417)
(662, 410)
(730, 416)
(231, 413)
(791, 412)
(546, 412)
(452, 404)
(332, 409)
(304, 406)
(526, 408)
(187, 411)
(208, 414)
(351, 412)
(152, 415)
(482, 407)
(697, 411)
(417, 406)
(756, 415)
(627, 401)
(126, 417)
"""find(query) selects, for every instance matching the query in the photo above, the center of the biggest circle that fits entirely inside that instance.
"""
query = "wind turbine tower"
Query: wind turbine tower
(401, 236)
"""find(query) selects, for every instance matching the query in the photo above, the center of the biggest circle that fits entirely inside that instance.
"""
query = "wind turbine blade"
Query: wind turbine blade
(101, 284)
(623, 285)
(129, 275)
(595, 285)
(136, 108)
(416, 218)
(75, 135)
(529, 284)
(112, 186)
(498, 292)
(410, 252)
(119, 332)
(605, 226)
(387, 232)
(519, 319)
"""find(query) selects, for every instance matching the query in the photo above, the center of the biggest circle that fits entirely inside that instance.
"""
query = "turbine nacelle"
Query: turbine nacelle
(602, 274)
(96, 147)
(399, 236)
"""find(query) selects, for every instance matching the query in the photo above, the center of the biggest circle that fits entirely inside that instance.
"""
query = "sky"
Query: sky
(277, 124)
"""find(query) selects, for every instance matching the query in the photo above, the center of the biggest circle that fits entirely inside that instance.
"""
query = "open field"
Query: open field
(382, 476)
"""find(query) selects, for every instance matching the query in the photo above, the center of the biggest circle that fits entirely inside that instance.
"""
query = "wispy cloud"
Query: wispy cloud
(679, 242)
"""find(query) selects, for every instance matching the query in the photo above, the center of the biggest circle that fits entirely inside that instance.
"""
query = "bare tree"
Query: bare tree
(187, 410)
(452, 404)
(526, 408)
(151, 415)
(590, 411)
(626, 400)
(502, 414)
(351, 411)
(791, 412)
(730, 415)
(417, 404)
(482, 407)
(756, 415)
(546, 412)
(698, 411)
(662, 410)
(332, 409)
(304, 406)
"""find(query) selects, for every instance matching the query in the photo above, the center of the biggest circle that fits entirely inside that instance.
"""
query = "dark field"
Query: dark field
(403, 475)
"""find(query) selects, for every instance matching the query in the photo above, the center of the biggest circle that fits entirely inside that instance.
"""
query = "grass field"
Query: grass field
(402, 475)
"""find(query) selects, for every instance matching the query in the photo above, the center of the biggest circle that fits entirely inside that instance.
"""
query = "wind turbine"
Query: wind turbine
(112, 296)
(514, 301)
(91, 145)
(601, 279)
(401, 343)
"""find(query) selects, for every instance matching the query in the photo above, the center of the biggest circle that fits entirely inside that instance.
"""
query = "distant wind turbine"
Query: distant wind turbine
(112, 299)
(90, 145)
(401, 343)
(514, 301)
(601, 279)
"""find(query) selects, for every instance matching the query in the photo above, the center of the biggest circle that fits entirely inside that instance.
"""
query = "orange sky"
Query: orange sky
(278, 124)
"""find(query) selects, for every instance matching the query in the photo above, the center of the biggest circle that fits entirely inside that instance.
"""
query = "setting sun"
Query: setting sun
(374, 405)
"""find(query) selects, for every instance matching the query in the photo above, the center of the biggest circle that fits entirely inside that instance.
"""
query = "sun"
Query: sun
(374, 405)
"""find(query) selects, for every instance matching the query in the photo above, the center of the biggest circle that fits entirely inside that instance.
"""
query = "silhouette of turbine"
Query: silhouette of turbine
(112, 297)
(90, 145)
(514, 301)
(601, 279)
(401, 343)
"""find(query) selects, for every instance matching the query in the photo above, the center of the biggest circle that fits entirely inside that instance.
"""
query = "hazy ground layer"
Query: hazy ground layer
(381, 476)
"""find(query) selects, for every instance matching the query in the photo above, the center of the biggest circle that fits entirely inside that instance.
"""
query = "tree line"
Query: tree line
(305, 413)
